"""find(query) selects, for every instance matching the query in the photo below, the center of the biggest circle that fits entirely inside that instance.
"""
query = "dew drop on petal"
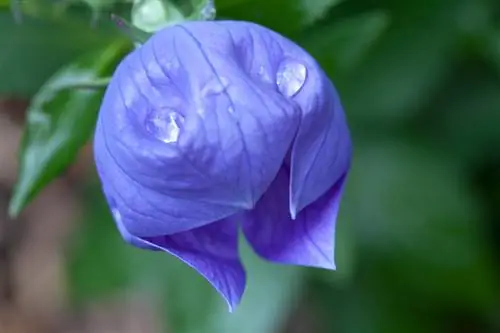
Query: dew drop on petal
(164, 125)
(291, 77)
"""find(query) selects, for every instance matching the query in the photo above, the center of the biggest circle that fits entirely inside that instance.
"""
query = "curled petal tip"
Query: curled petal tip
(307, 240)
(329, 265)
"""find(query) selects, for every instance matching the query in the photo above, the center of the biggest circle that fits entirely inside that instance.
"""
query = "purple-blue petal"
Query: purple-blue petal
(209, 121)
(322, 149)
(307, 240)
(187, 118)
(148, 211)
(212, 250)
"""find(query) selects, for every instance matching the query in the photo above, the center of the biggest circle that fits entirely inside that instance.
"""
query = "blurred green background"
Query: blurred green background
(418, 238)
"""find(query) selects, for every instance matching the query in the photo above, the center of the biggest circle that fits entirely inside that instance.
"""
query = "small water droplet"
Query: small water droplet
(230, 109)
(291, 77)
(215, 86)
(164, 125)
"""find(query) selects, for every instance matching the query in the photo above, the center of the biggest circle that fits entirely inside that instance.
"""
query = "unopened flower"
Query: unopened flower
(210, 126)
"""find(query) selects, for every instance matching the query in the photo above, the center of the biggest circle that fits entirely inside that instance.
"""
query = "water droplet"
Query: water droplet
(230, 109)
(291, 77)
(215, 86)
(164, 124)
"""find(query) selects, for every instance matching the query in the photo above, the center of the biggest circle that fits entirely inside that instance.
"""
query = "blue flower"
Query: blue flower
(212, 126)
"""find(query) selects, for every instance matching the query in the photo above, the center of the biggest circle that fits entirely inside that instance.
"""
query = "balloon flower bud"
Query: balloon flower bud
(216, 125)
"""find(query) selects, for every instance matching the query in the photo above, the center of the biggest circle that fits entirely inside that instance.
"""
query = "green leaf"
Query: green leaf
(60, 121)
(34, 50)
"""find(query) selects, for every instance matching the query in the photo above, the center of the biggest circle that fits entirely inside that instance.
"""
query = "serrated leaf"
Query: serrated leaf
(60, 121)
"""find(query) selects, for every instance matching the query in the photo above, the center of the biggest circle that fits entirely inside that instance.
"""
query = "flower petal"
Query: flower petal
(322, 150)
(195, 130)
(308, 240)
(146, 211)
(319, 161)
(212, 250)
